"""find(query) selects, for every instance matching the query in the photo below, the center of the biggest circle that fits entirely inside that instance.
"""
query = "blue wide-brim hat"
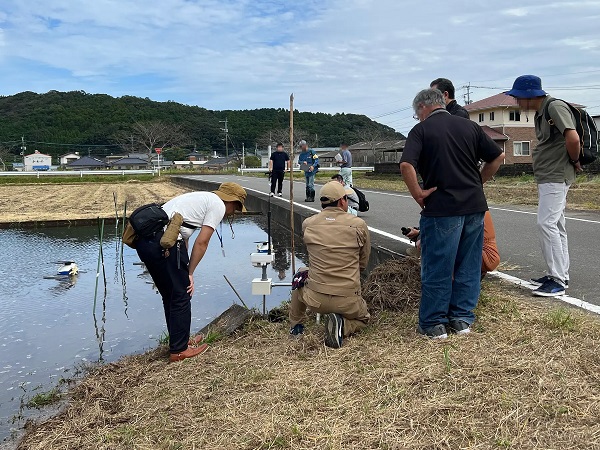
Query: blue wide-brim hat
(527, 86)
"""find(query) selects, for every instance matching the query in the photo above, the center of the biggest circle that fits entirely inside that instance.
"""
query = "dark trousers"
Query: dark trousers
(170, 275)
(277, 177)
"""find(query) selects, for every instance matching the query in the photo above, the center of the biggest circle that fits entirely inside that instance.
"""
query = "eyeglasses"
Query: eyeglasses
(345, 197)
(416, 114)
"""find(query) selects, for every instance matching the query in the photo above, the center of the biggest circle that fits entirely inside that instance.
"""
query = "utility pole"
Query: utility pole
(467, 95)
(23, 148)
(226, 131)
(243, 156)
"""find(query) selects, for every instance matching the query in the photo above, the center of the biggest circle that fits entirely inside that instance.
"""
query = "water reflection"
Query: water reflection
(49, 326)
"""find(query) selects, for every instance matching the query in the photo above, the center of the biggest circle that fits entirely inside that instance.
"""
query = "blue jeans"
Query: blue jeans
(310, 182)
(451, 253)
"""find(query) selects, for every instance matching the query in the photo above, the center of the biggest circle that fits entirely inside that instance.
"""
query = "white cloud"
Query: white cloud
(517, 12)
(351, 56)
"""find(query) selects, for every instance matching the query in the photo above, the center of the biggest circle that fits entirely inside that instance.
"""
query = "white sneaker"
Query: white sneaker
(271, 194)
(280, 195)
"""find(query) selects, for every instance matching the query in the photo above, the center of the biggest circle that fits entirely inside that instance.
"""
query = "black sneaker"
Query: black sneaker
(459, 326)
(542, 280)
(297, 330)
(435, 332)
(550, 288)
(334, 330)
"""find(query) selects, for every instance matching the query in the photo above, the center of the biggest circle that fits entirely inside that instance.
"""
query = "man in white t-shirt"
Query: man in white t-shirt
(173, 270)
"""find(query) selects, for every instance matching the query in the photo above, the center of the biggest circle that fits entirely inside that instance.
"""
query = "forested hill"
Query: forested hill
(98, 120)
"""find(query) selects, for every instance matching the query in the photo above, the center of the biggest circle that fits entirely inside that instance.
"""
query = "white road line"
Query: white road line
(535, 213)
(565, 298)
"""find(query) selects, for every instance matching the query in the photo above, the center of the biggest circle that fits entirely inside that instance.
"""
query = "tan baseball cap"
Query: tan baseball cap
(331, 192)
(232, 192)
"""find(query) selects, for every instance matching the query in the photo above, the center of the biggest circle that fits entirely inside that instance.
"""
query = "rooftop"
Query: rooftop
(495, 135)
(495, 101)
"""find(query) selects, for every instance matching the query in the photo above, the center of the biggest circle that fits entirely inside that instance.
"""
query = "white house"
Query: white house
(68, 157)
(37, 161)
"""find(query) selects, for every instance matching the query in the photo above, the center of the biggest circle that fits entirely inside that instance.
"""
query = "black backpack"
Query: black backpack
(148, 219)
(363, 204)
(586, 129)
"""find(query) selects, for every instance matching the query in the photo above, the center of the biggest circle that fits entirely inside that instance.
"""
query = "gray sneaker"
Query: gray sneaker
(435, 332)
(459, 326)
(334, 330)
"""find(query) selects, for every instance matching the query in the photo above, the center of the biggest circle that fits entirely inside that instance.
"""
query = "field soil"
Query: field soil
(44, 202)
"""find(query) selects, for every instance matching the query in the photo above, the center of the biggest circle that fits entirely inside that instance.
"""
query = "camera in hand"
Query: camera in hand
(405, 230)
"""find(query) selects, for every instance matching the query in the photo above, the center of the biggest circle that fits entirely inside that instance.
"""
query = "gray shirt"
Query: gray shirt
(550, 158)
(347, 157)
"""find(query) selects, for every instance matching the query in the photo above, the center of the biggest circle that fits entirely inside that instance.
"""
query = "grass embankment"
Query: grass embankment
(526, 378)
(584, 194)
(89, 199)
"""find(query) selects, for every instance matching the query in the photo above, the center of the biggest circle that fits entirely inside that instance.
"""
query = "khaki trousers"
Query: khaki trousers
(353, 309)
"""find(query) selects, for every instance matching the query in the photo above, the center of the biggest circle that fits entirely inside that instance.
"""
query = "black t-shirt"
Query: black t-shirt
(279, 159)
(445, 150)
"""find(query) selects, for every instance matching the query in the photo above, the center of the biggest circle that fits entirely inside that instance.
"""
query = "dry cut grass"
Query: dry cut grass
(527, 378)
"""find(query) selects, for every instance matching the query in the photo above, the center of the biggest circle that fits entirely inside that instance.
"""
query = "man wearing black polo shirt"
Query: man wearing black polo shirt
(446, 149)
(278, 164)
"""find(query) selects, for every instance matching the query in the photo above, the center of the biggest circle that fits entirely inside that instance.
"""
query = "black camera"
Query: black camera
(405, 230)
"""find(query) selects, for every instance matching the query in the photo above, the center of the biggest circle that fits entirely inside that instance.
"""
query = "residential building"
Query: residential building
(68, 157)
(500, 115)
(86, 163)
(367, 153)
(37, 161)
(130, 163)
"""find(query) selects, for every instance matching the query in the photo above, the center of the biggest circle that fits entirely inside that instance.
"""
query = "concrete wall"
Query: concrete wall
(382, 248)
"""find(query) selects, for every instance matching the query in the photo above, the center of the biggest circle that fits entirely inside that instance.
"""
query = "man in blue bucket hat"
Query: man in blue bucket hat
(555, 161)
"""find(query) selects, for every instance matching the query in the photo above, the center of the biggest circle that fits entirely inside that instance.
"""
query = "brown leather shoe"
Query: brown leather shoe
(195, 340)
(189, 352)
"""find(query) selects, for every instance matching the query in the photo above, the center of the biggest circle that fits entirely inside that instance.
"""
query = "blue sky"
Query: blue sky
(355, 56)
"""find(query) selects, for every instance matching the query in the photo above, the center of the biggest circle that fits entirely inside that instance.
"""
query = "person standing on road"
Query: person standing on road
(346, 164)
(278, 164)
(555, 162)
(445, 86)
(446, 150)
(172, 270)
(309, 163)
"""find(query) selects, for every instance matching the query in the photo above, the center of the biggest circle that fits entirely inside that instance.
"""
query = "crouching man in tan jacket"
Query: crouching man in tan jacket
(338, 248)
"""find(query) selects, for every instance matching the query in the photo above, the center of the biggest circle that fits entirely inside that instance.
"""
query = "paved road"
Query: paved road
(515, 232)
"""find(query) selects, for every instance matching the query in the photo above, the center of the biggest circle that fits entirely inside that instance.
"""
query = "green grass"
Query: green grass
(163, 339)
(212, 337)
(562, 319)
(44, 399)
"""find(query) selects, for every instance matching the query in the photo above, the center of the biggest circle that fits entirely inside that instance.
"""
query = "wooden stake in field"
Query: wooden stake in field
(292, 181)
